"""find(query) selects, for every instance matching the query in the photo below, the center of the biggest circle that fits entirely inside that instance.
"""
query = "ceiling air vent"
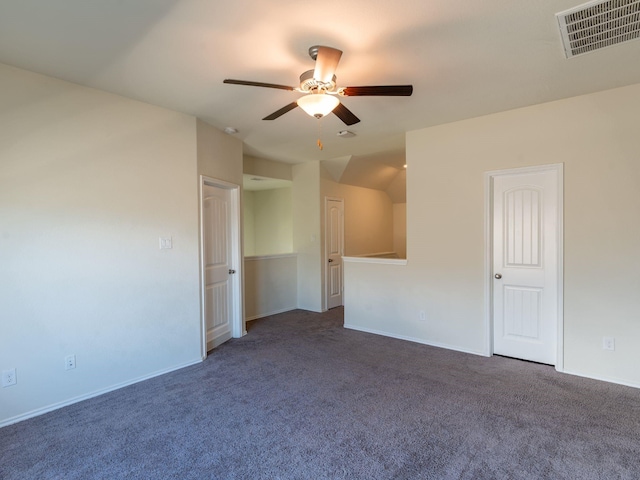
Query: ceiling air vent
(600, 24)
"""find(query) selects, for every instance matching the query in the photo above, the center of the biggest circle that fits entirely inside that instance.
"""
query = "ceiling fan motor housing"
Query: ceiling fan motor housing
(309, 84)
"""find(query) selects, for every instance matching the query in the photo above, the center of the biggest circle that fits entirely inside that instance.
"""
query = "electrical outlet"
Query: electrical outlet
(9, 377)
(422, 316)
(608, 343)
(69, 362)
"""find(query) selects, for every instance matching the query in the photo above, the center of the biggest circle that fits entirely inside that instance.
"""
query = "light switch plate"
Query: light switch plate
(166, 243)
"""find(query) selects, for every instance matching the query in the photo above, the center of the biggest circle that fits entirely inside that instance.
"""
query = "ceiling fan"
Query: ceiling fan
(321, 91)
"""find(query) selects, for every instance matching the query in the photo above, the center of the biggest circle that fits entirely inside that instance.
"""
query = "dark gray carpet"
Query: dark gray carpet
(300, 397)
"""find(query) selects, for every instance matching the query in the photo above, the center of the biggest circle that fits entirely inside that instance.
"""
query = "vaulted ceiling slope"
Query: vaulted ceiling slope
(464, 59)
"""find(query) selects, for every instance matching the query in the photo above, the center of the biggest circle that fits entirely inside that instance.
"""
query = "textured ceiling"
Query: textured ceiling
(464, 59)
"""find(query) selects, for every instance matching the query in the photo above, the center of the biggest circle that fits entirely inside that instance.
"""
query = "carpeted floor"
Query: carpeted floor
(300, 397)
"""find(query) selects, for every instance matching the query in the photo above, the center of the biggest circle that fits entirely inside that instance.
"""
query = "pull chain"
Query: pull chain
(319, 133)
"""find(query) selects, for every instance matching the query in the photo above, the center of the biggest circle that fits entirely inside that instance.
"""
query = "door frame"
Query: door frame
(488, 253)
(236, 309)
(325, 255)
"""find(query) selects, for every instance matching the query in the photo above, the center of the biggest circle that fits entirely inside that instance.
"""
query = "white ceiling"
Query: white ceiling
(464, 59)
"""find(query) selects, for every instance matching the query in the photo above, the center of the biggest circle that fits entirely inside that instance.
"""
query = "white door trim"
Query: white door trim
(236, 310)
(488, 254)
(325, 254)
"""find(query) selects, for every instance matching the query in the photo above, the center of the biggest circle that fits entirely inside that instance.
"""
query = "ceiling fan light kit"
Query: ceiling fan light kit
(318, 104)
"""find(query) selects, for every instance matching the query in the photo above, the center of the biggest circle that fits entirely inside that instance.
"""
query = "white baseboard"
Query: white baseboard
(262, 315)
(71, 401)
(414, 339)
(618, 381)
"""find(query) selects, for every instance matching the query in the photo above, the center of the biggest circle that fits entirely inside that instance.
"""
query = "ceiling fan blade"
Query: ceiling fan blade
(346, 115)
(282, 111)
(380, 91)
(326, 63)
(257, 84)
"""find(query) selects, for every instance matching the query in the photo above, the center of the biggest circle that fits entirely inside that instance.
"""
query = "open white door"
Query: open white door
(334, 248)
(222, 316)
(526, 246)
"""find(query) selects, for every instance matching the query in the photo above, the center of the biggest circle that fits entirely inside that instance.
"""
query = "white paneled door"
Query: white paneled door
(334, 247)
(218, 264)
(525, 265)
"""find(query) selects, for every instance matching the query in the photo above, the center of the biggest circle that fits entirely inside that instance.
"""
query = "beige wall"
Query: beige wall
(596, 138)
(268, 213)
(249, 231)
(368, 217)
(270, 285)
(220, 157)
(272, 214)
(267, 168)
(306, 235)
(88, 182)
(397, 190)
(219, 154)
(400, 229)
(368, 224)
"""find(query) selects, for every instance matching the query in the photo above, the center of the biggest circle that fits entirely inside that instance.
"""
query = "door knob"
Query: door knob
(330, 260)
(498, 276)
(231, 271)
